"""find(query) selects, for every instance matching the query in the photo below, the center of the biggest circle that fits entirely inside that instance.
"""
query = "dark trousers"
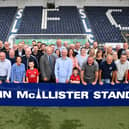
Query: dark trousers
(3, 78)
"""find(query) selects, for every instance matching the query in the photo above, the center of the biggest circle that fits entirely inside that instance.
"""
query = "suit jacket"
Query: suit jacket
(26, 60)
(47, 69)
(17, 53)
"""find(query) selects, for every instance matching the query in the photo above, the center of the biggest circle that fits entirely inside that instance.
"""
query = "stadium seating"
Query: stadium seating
(103, 30)
(122, 17)
(69, 21)
(6, 18)
(101, 20)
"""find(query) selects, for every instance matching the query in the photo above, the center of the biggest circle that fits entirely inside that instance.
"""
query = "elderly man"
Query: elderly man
(20, 50)
(5, 68)
(28, 57)
(77, 47)
(107, 71)
(122, 69)
(63, 68)
(15, 46)
(65, 44)
(123, 50)
(47, 66)
(118, 47)
(59, 45)
(12, 57)
(6, 48)
(89, 72)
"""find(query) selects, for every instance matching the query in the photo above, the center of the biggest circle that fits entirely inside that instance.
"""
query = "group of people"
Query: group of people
(63, 63)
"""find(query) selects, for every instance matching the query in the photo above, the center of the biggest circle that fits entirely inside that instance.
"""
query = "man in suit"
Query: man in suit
(29, 57)
(47, 65)
(6, 48)
(20, 51)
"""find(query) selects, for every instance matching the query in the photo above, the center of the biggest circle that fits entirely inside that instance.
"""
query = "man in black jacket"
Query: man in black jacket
(28, 57)
(20, 51)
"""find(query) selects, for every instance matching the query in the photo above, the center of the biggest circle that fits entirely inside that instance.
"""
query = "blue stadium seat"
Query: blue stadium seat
(103, 30)
(69, 22)
(6, 18)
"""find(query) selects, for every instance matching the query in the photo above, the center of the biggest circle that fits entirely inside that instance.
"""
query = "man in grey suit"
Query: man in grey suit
(47, 65)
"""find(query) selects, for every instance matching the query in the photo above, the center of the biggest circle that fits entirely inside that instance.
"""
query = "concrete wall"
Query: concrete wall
(79, 3)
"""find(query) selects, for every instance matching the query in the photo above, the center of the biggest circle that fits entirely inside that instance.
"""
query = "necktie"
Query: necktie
(50, 62)
(51, 66)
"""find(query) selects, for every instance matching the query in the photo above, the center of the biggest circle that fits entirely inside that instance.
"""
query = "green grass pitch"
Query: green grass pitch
(64, 118)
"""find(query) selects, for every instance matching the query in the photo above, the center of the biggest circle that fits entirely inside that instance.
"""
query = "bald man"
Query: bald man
(59, 45)
(20, 50)
(28, 57)
(5, 68)
(6, 48)
(107, 71)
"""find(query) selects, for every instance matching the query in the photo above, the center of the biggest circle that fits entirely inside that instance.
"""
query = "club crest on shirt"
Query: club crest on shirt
(110, 68)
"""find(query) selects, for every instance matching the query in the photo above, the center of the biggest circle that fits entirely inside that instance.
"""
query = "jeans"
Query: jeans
(106, 81)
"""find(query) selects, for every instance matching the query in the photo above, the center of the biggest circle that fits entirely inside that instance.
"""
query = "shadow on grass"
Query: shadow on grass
(33, 119)
(70, 124)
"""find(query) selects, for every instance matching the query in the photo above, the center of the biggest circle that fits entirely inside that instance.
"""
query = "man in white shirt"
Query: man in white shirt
(5, 68)
(63, 68)
(122, 69)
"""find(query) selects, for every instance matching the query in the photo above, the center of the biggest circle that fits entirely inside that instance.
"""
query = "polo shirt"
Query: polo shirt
(121, 69)
(107, 69)
(89, 71)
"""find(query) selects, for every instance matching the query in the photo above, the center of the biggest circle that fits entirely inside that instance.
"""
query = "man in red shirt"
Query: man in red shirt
(32, 74)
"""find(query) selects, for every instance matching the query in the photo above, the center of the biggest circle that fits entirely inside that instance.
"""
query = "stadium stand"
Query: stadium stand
(106, 22)
(69, 21)
(103, 30)
(122, 17)
(6, 17)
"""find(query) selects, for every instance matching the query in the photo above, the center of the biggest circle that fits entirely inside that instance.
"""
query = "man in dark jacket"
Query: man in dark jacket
(28, 57)
(20, 51)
